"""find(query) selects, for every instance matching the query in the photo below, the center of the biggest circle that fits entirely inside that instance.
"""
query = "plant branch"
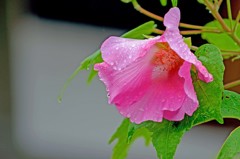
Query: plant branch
(229, 11)
(232, 84)
(237, 21)
(159, 18)
(188, 32)
(218, 17)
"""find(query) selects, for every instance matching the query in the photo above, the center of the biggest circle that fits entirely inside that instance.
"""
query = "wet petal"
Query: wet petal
(120, 52)
(172, 18)
(164, 95)
(190, 103)
(125, 86)
(175, 40)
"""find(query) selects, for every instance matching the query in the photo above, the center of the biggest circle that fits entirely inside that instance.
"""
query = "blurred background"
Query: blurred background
(41, 43)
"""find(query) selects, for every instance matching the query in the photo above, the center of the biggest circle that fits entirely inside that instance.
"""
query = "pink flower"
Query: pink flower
(150, 79)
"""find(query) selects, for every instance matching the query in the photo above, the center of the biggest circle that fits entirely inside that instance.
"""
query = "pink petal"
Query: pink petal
(164, 95)
(190, 103)
(125, 86)
(120, 52)
(175, 40)
(172, 18)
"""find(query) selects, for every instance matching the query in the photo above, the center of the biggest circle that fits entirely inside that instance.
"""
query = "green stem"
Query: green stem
(237, 21)
(194, 48)
(232, 84)
(188, 32)
(218, 17)
(229, 11)
(233, 53)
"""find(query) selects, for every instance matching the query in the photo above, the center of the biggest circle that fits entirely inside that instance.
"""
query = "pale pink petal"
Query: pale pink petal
(175, 40)
(120, 52)
(172, 18)
(125, 86)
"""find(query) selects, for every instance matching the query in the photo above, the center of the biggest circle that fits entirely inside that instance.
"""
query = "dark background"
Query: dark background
(114, 13)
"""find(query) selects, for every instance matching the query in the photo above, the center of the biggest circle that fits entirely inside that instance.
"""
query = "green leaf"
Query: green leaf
(222, 40)
(166, 137)
(200, 1)
(188, 41)
(231, 105)
(174, 3)
(163, 2)
(120, 150)
(231, 147)
(139, 32)
(126, 1)
(88, 63)
(209, 94)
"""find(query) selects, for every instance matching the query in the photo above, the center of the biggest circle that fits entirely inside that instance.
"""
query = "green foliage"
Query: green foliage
(222, 40)
(209, 94)
(166, 136)
(126, 137)
(188, 41)
(126, 1)
(163, 2)
(88, 63)
(231, 147)
(231, 105)
(200, 1)
(174, 3)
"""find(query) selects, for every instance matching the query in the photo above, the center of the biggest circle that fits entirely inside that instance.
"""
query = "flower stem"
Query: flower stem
(237, 21)
(219, 18)
(145, 12)
(229, 11)
(159, 18)
(216, 15)
(232, 84)
(194, 48)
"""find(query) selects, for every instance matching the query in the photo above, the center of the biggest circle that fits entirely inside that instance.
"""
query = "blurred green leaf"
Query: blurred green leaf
(174, 3)
(126, 1)
(231, 147)
(222, 40)
(188, 41)
(121, 148)
(163, 2)
(200, 1)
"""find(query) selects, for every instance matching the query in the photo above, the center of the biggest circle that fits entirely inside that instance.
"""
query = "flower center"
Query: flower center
(165, 59)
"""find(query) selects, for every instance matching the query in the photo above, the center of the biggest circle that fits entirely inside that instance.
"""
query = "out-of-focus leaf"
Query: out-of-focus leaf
(121, 148)
(188, 41)
(163, 2)
(174, 3)
(231, 147)
(126, 1)
(222, 40)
